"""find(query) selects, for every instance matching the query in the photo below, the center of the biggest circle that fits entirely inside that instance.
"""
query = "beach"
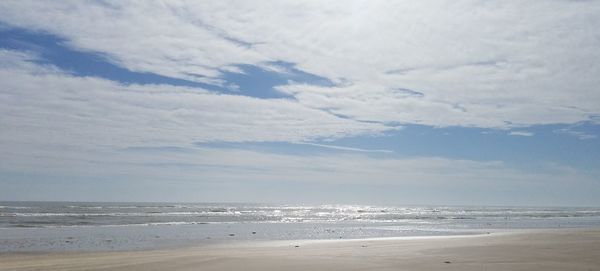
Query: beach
(556, 249)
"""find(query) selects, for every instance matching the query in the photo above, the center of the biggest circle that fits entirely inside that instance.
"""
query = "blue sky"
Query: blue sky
(301, 103)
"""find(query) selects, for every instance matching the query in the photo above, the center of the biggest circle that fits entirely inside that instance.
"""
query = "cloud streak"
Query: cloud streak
(578, 134)
(343, 148)
(521, 133)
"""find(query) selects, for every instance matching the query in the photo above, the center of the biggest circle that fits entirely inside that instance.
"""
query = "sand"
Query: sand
(526, 250)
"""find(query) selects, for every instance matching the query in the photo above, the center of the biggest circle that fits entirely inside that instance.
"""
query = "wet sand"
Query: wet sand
(525, 250)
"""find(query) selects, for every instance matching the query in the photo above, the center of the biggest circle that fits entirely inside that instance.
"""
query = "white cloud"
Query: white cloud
(578, 134)
(43, 106)
(504, 65)
(520, 133)
(56, 123)
(481, 64)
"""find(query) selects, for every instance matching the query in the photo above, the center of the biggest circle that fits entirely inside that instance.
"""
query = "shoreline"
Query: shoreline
(546, 249)
(262, 243)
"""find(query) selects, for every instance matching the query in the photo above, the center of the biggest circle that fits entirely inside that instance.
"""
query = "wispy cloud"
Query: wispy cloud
(233, 164)
(578, 134)
(195, 172)
(343, 148)
(521, 133)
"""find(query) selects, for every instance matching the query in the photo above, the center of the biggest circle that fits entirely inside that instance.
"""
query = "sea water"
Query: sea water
(85, 226)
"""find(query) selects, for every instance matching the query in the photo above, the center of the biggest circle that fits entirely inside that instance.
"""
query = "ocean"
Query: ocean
(95, 226)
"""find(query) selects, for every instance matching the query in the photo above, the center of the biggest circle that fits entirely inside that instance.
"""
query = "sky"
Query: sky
(350, 102)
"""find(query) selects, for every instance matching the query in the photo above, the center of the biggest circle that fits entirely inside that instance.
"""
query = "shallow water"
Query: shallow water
(69, 226)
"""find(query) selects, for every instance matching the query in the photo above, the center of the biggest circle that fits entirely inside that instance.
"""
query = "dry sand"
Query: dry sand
(529, 250)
